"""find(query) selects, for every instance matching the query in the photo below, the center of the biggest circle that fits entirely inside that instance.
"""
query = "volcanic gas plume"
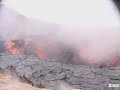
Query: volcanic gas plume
(70, 44)
(43, 47)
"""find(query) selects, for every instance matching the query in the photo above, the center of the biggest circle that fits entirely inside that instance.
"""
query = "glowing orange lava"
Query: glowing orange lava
(41, 53)
(11, 48)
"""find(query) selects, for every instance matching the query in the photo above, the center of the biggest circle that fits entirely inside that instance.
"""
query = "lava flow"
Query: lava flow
(49, 48)
(41, 53)
(12, 48)
(28, 46)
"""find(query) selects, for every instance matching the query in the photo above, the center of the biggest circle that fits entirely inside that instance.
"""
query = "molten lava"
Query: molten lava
(50, 48)
(26, 46)
(41, 53)
(12, 48)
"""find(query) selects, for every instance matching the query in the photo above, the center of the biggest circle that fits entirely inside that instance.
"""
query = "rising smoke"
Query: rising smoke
(95, 43)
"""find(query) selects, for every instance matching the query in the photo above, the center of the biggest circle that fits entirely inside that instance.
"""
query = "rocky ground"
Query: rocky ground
(52, 74)
(8, 82)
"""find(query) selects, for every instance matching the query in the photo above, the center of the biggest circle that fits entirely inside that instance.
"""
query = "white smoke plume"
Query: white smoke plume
(92, 28)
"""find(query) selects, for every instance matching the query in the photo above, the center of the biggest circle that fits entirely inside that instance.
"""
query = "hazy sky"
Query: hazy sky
(97, 43)
(69, 12)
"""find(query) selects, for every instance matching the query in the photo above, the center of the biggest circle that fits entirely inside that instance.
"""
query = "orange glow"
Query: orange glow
(38, 47)
(9, 44)
(15, 51)
(11, 49)
(41, 53)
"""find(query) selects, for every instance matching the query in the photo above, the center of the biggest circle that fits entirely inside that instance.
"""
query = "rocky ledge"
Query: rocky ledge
(50, 73)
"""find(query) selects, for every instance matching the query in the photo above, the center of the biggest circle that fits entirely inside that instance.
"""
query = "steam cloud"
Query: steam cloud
(95, 44)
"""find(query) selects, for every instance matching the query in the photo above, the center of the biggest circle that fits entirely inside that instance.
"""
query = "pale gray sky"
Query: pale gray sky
(76, 16)
(69, 12)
